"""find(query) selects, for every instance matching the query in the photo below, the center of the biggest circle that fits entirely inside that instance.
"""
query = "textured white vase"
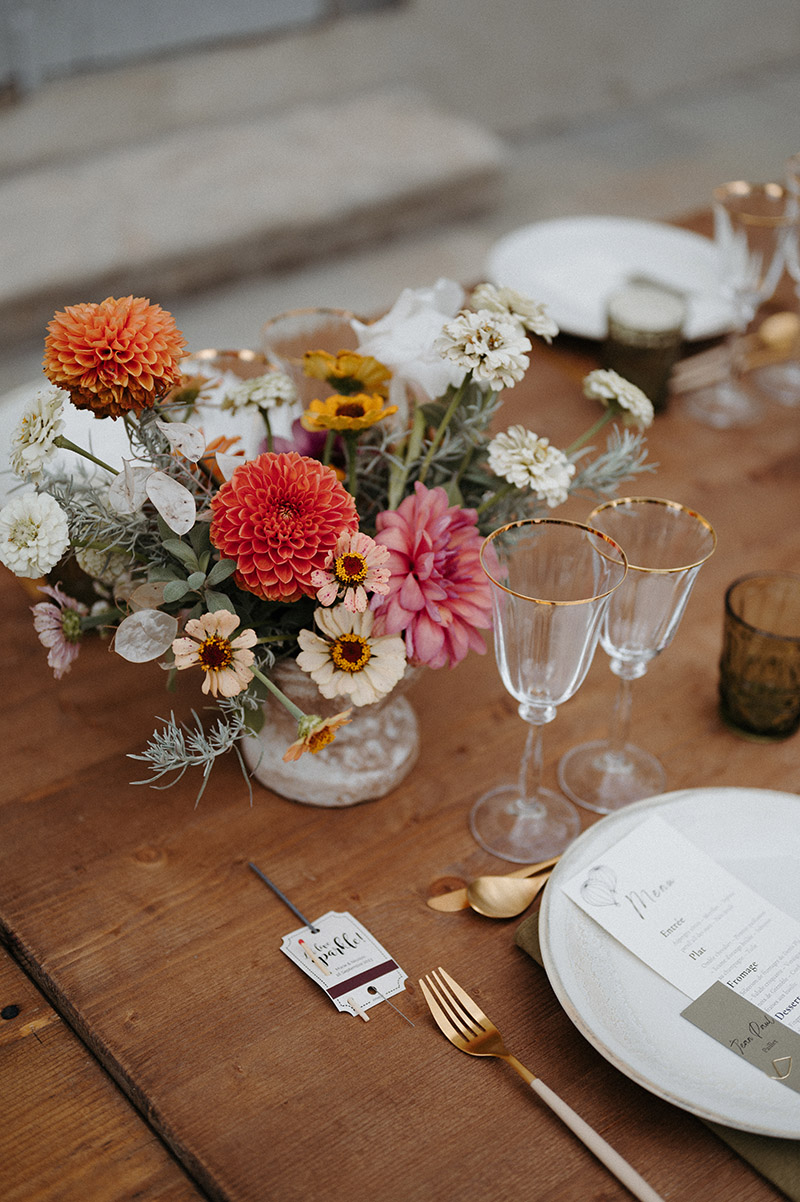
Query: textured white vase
(372, 754)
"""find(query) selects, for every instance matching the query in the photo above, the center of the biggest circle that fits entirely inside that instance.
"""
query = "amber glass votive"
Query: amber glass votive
(645, 336)
(759, 685)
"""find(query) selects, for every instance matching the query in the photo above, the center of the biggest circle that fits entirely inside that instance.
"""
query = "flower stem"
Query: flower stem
(606, 417)
(350, 443)
(495, 497)
(268, 424)
(328, 448)
(67, 445)
(102, 619)
(443, 424)
(293, 709)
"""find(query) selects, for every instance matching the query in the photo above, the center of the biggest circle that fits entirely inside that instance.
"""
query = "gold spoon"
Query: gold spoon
(504, 896)
(457, 899)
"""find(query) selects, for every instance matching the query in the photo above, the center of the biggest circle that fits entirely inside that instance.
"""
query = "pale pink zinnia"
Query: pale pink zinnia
(353, 568)
(438, 593)
(59, 628)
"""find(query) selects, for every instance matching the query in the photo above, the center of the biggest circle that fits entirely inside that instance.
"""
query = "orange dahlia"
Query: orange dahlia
(115, 356)
(279, 517)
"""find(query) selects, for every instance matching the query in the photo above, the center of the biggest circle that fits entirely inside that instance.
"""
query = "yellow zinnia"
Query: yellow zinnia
(347, 372)
(346, 412)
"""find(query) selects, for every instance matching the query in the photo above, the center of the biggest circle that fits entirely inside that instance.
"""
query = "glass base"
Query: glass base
(603, 781)
(523, 832)
(722, 407)
(780, 381)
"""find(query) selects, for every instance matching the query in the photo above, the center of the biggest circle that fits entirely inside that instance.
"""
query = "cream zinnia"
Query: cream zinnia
(34, 441)
(528, 461)
(489, 345)
(347, 660)
(615, 392)
(226, 662)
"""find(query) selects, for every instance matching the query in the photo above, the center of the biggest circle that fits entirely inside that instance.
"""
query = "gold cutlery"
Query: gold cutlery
(504, 897)
(457, 899)
(463, 1022)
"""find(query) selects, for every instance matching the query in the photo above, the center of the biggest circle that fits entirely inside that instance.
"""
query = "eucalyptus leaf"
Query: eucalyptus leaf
(181, 551)
(175, 590)
(221, 571)
(217, 601)
(164, 571)
(200, 537)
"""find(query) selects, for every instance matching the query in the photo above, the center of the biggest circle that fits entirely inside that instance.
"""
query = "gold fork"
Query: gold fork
(467, 1027)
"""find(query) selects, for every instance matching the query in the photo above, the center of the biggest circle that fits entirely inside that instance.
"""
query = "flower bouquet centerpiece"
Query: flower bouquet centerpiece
(323, 557)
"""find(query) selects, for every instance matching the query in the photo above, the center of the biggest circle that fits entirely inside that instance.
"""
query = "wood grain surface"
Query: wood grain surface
(136, 915)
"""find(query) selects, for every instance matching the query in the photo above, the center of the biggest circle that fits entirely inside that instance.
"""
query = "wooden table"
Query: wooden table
(136, 917)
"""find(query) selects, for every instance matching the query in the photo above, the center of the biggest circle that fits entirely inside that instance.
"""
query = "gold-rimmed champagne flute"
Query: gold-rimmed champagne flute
(753, 228)
(666, 545)
(551, 581)
(286, 337)
(782, 380)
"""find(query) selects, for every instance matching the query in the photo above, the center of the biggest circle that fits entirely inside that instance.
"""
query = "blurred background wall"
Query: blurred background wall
(171, 147)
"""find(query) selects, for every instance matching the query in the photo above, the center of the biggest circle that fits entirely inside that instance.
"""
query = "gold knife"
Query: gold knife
(457, 898)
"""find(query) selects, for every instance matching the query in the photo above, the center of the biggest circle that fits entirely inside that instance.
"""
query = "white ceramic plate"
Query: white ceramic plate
(573, 264)
(630, 1013)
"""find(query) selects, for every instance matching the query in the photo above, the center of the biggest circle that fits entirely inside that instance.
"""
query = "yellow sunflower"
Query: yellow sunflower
(345, 413)
(347, 372)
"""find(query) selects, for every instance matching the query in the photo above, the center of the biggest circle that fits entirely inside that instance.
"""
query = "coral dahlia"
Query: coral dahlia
(113, 357)
(279, 517)
(438, 592)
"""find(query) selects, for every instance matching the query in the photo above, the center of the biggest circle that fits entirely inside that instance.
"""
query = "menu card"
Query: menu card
(697, 925)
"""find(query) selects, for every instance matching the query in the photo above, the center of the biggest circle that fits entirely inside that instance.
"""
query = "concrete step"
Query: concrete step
(205, 205)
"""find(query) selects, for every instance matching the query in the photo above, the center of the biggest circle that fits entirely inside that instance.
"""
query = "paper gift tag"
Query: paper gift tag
(346, 961)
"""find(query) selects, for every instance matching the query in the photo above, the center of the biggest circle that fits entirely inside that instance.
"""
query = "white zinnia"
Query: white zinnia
(262, 392)
(609, 387)
(532, 315)
(489, 345)
(347, 661)
(33, 443)
(528, 461)
(33, 534)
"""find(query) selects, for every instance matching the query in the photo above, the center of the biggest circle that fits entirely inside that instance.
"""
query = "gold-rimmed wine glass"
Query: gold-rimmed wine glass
(666, 545)
(753, 228)
(551, 581)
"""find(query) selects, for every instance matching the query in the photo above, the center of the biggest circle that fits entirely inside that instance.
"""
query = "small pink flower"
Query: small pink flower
(59, 628)
(353, 568)
(439, 595)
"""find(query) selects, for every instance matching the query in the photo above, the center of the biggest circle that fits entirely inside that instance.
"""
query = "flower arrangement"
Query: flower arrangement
(349, 540)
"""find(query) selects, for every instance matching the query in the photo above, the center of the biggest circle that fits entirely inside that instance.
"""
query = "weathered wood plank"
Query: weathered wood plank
(136, 914)
(68, 1134)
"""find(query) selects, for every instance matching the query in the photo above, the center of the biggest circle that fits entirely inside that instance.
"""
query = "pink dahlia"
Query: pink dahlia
(59, 628)
(279, 517)
(438, 593)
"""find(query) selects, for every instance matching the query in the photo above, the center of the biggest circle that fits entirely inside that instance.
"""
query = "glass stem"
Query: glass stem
(621, 718)
(530, 771)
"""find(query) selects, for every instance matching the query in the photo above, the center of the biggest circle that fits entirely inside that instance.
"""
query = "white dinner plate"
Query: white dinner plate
(631, 1014)
(573, 264)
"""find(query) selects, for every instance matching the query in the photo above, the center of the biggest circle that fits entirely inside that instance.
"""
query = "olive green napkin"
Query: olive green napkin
(776, 1159)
